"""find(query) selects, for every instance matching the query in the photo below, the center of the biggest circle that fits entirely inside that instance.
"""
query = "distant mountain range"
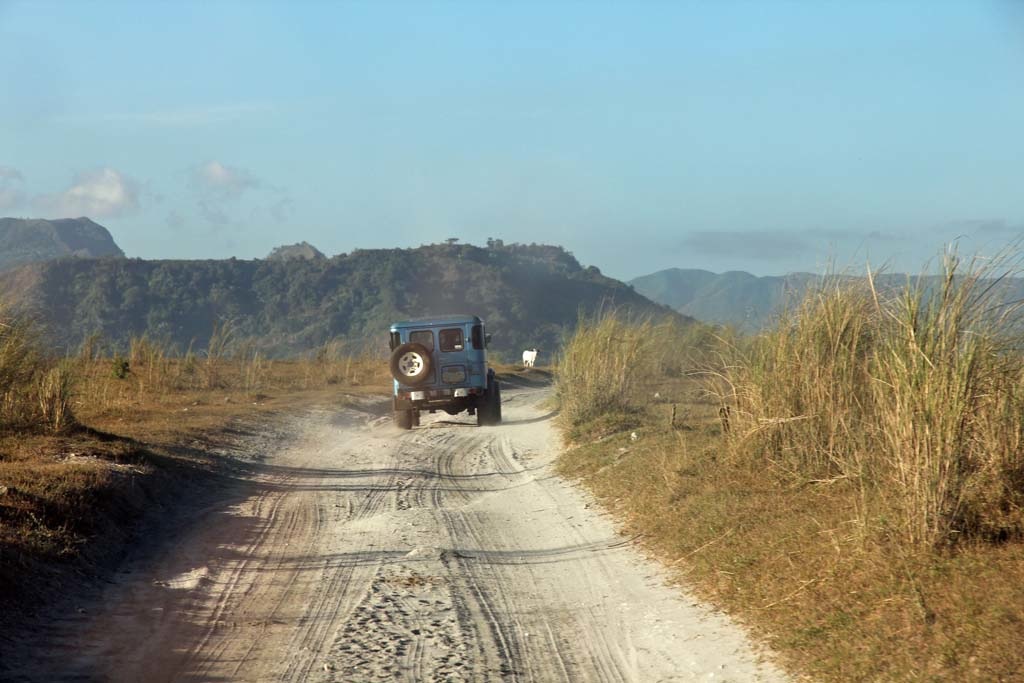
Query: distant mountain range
(28, 240)
(736, 297)
(74, 279)
(529, 295)
(750, 302)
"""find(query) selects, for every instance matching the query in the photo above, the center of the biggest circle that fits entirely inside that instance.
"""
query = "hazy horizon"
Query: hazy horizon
(768, 137)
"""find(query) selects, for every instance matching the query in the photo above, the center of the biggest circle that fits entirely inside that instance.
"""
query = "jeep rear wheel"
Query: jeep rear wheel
(483, 413)
(488, 413)
(404, 419)
(410, 363)
(497, 403)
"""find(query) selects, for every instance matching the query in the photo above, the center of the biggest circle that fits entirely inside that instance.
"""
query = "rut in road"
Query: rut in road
(356, 552)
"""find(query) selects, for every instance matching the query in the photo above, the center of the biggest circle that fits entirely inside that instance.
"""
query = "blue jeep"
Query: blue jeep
(441, 364)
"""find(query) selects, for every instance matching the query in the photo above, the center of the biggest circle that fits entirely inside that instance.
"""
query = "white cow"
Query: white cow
(529, 358)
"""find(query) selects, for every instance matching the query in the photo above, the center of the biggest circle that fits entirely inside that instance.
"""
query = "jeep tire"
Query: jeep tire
(411, 364)
(483, 412)
(488, 413)
(404, 419)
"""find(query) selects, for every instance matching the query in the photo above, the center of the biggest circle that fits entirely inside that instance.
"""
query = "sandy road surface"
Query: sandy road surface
(361, 553)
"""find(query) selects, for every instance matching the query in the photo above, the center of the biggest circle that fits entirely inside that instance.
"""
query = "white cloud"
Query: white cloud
(10, 197)
(100, 193)
(174, 219)
(10, 174)
(282, 209)
(187, 117)
(219, 190)
(223, 182)
(11, 194)
(213, 212)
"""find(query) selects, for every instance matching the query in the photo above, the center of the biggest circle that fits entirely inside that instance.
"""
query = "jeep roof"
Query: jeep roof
(437, 321)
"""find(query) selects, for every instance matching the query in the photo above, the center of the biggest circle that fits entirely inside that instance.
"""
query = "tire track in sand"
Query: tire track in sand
(445, 553)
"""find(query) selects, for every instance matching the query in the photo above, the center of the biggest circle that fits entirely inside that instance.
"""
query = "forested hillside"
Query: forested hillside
(528, 294)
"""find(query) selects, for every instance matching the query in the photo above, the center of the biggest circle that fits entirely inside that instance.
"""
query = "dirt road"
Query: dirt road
(361, 553)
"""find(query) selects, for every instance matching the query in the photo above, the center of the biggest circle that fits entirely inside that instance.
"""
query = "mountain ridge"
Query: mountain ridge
(734, 297)
(32, 240)
(751, 302)
(300, 250)
(530, 296)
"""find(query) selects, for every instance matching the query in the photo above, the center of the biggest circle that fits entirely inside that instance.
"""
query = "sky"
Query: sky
(763, 136)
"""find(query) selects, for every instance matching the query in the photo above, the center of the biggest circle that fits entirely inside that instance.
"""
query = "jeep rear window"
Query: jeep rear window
(425, 337)
(478, 336)
(396, 340)
(451, 340)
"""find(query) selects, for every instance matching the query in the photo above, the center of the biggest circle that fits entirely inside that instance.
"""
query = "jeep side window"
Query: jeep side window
(451, 340)
(396, 340)
(425, 337)
(478, 337)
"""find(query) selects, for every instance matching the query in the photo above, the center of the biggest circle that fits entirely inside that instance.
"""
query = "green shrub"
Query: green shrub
(119, 366)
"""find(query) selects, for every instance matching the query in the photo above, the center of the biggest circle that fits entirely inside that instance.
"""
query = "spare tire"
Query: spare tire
(410, 363)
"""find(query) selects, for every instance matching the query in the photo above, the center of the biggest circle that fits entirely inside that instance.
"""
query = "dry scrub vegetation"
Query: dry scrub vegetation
(607, 368)
(90, 443)
(33, 392)
(916, 397)
(849, 483)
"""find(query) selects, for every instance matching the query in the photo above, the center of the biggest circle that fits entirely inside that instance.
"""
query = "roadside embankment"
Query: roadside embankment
(98, 451)
(846, 573)
(73, 504)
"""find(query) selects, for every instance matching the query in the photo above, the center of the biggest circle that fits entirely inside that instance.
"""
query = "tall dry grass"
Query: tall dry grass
(338, 362)
(153, 373)
(54, 389)
(41, 391)
(868, 428)
(599, 371)
(238, 377)
(35, 391)
(610, 363)
(914, 395)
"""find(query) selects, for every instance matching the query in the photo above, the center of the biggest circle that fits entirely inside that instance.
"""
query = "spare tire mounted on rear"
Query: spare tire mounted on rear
(410, 363)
